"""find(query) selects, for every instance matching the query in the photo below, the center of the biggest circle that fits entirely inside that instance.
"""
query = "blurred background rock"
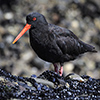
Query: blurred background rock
(80, 16)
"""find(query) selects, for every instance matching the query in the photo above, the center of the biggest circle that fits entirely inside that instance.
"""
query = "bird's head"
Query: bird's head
(34, 20)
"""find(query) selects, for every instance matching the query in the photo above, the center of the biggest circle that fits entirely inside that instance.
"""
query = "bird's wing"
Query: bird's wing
(66, 40)
(61, 31)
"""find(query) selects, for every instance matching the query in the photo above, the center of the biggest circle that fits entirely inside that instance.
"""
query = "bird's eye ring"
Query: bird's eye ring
(34, 18)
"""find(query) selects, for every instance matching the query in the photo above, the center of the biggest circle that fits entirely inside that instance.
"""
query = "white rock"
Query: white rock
(8, 15)
(28, 55)
(75, 24)
(68, 67)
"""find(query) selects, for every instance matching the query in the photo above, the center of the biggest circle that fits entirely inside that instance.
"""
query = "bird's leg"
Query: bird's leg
(56, 68)
(61, 70)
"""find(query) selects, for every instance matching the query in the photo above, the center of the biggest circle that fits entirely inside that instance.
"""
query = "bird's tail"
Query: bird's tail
(88, 48)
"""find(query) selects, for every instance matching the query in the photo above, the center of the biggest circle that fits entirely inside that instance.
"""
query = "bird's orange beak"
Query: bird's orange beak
(27, 27)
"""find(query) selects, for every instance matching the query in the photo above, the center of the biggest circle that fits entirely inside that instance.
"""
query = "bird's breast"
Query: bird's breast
(44, 47)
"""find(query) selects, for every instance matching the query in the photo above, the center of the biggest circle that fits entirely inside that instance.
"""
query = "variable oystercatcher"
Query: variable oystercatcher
(53, 43)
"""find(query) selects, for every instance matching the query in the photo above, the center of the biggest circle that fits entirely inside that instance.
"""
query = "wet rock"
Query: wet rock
(97, 21)
(40, 87)
(74, 76)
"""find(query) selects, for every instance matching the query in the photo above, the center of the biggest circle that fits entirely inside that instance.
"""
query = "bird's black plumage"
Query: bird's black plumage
(53, 43)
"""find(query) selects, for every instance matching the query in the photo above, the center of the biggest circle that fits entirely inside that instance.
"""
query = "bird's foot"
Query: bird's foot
(61, 71)
(56, 68)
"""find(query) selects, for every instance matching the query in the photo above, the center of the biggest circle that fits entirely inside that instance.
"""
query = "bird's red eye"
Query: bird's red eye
(34, 18)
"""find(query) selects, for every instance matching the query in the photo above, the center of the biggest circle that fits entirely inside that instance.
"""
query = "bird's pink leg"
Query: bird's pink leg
(56, 68)
(61, 71)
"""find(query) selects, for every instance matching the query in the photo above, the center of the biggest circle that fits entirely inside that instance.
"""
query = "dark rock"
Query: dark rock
(18, 87)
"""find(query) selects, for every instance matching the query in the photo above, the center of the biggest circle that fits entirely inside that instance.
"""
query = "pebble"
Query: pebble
(77, 90)
(75, 24)
(8, 15)
(68, 67)
(97, 22)
(9, 39)
(74, 76)
(27, 56)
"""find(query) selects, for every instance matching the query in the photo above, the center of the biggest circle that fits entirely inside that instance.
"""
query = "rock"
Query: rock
(97, 22)
(68, 67)
(74, 76)
(48, 85)
(8, 15)
(75, 24)
(27, 56)
(9, 39)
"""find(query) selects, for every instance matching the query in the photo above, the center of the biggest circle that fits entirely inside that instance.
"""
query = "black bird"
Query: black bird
(53, 43)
